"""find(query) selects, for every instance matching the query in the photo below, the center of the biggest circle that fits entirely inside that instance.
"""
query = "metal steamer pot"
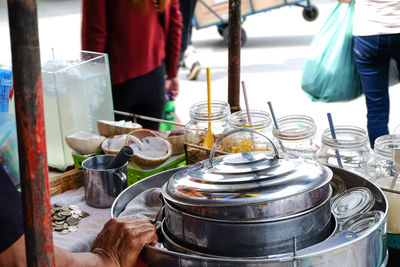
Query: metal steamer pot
(248, 204)
(252, 216)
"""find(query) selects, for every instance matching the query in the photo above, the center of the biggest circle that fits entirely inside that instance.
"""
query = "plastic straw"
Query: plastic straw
(339, 160)
(248, 113)
(209, 92)
(209, 139)
(275, 123)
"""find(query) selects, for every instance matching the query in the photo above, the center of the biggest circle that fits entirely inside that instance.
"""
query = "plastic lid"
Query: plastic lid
(353, 201)
(361, 223)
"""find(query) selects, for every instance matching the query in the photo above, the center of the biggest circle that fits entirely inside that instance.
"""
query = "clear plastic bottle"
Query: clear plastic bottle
(260, 121)
(352, 148)
(196, 129)
(296, 136)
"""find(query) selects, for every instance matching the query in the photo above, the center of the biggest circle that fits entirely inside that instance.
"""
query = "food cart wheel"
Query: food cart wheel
(221, 28)
(310, 13)
(243, 36)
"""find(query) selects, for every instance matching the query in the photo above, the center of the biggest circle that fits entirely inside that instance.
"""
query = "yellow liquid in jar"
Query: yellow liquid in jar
(393, 219)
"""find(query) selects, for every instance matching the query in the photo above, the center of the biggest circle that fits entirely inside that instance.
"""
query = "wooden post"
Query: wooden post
(234, 44)
(31, 132)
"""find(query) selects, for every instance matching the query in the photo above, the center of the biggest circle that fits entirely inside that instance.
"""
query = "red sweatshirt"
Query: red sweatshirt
(136, 44)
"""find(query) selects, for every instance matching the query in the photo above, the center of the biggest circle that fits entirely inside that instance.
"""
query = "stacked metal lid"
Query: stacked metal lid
(240, 190)
(240, 186)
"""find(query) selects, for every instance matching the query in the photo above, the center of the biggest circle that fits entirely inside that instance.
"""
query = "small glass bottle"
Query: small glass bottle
(385, 171)
(196, 129)
(350, 147)
(260, 121)
(296, 136)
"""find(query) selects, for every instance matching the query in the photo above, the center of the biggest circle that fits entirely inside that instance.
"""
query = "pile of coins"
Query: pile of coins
(66, 218)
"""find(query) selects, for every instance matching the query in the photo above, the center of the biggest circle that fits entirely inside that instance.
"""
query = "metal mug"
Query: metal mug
(102, 185)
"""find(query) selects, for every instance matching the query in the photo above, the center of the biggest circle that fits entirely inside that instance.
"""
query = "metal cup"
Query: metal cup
(102, 185)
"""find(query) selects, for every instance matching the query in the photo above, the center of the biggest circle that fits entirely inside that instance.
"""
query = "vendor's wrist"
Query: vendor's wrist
(104, 258)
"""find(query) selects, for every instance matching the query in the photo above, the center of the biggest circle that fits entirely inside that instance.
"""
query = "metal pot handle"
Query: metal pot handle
(230, 132)
(123, 183)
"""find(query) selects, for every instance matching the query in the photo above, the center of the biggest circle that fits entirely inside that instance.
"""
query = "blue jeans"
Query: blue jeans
(372, 56)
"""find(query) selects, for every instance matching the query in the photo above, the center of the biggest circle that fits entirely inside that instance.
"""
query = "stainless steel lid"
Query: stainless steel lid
(246, 178)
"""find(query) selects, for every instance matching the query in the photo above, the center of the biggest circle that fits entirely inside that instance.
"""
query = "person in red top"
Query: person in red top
(143, 41)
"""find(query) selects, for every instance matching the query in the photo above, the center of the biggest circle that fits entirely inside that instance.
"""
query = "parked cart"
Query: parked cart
(216, 13)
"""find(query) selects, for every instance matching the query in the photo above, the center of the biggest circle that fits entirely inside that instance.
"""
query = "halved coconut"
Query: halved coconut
(84, 142)
(177, 138)
(113, 145)
(111, 128)
(150, 148)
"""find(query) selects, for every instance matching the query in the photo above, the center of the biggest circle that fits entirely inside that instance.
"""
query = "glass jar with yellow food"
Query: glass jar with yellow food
(246, 142)
(198, 126)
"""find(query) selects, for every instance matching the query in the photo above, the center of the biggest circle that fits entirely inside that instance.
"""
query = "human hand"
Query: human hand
(121, 240)
(172, 87)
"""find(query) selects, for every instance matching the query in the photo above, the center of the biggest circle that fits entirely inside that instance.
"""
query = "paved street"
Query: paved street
(272, 60)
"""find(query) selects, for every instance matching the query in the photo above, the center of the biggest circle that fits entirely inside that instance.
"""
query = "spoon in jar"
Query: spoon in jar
(209, 139)
(248, 114)
(396, 163)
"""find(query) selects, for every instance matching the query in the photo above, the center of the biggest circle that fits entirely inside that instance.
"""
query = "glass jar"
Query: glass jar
(260, 121)
(385, 172)
(351, 147)
(196, 129)
(362, 222)
(296, 136)
(353, 201)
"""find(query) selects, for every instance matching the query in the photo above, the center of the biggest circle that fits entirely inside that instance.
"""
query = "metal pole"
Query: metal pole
(234, 54)
(31, 132)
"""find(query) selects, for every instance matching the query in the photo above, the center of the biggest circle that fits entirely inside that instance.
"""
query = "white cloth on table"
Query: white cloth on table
(146, 205)
(88, 228)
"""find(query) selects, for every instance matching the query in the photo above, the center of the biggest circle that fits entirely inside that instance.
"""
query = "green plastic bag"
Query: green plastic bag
(329, 73)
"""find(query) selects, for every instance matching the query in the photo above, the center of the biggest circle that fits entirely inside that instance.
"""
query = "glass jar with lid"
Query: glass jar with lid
(350, 147)
(386, 168)
(196, 129)
(260, 121)
(296, 136)
(353, 201)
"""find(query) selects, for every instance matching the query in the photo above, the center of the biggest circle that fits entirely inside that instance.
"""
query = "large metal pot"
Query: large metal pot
(249, 238)
(248, 204)
(363, 251)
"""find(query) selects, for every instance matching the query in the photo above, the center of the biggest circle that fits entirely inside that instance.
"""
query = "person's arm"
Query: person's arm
(344, 1)
(173, 48)
(118, 244)
(94, 25)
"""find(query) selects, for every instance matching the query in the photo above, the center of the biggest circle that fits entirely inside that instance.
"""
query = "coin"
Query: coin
(66, 213)
(64, 232)
(72, 221)
(66, 218)
(56, 208)
(73, 228)
(73, 207)
(58, 217)
(85, 214)
(58, 228)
